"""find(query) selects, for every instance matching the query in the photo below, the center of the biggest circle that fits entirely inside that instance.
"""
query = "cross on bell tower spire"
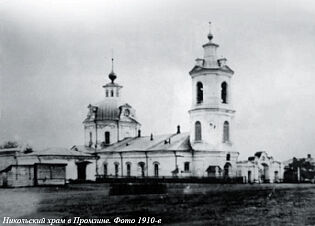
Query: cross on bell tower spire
(210, 35)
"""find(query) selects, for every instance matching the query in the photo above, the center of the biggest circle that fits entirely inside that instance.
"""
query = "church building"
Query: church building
(113, 131)
(114, 146)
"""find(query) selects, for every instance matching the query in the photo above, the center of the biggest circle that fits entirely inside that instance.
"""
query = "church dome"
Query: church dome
(112, 76)
(107, 110)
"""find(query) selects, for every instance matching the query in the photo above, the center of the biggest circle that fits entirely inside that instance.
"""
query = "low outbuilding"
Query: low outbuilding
(260, 168)
(33, 175)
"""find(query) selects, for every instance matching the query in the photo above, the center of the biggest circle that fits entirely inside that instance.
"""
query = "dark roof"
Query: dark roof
(212, 168)
(178, 142)
(58, 151)
(9, 151)
(258, 154)
(125, 105)
(50, 164)
(108, 110)
(251, 158)
(112, 85)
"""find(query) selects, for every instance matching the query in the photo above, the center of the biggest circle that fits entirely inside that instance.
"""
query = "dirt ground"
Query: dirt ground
(184, 204)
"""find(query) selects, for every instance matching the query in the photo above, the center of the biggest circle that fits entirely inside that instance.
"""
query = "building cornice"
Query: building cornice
(215, 152)
(198, 69)
(223, 110)
(142, 151)
(210, 44)
(65, 156)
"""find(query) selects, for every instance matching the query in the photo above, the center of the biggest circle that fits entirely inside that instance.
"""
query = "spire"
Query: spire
(210, 35)
(112, 64)
(112, 76)
(210, 51)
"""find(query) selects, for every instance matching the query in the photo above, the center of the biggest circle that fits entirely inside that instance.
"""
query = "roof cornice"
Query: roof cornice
(197, 69)
(214, 109)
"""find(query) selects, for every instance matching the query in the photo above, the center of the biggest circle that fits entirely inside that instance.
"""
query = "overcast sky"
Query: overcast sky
(55, 57)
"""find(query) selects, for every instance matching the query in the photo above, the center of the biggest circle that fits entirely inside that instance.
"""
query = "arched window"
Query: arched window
(228, 157)
(116, 169)
(112, 93)
(226, 132)
(128, 166)
(141, 165)
(105, 169)
(106, 93)
(227, 170)
(197, 131)
(107, 137)
(91, 138)
(224, 92)
(199, 92)
(156, 169)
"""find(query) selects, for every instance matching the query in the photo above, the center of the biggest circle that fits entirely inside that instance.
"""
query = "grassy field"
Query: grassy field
(184, 204)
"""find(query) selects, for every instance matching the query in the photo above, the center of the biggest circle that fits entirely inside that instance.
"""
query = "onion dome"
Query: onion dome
(112, 76)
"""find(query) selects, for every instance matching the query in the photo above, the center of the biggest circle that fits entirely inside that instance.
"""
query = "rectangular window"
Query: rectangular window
(116, 170)
(186, 166)
(105, 170)
(107, 137)
(156, 170)
(29, 173)
(128, 170)
(91, 137)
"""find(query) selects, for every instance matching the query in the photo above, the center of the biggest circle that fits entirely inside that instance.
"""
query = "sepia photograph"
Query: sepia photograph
(157, 112)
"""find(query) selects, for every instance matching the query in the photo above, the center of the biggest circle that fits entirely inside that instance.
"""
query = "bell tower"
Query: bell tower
(211, 113)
